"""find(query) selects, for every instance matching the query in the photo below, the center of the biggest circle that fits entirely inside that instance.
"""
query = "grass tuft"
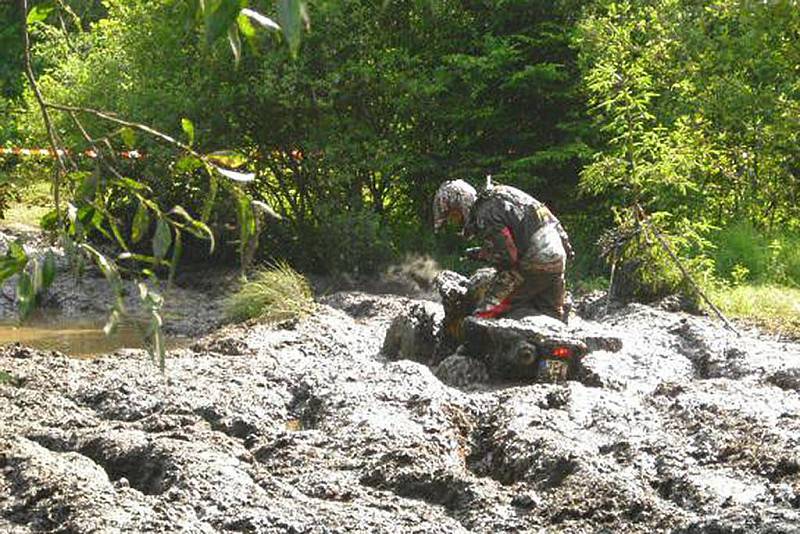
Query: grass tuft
(277, 293)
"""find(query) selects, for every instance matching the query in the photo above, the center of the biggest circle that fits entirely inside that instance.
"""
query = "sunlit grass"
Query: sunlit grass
(34, 202)
(274, 294)
(774, 308)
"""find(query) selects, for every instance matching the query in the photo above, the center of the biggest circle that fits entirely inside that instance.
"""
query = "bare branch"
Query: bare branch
(141, 127)
(644, 220)
(100, 153)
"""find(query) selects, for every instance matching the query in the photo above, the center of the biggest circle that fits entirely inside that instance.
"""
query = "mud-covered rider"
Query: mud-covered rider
(519, 236)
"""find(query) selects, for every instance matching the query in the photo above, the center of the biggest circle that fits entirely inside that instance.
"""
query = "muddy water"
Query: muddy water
(82, 339)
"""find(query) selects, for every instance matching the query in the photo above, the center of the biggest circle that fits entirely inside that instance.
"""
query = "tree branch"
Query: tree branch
(100, 153)
(645, 221)
(141, 127)
(62, 168)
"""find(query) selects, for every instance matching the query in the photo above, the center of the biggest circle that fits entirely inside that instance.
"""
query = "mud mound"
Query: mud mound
(309, 427)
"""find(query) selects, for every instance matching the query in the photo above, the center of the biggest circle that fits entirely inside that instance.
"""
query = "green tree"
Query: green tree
(694, 103)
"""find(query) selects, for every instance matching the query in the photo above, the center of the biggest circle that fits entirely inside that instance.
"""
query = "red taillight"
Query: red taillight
(561, 352)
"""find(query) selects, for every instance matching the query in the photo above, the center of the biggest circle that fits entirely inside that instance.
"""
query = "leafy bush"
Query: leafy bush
(277, 293)
(352, 241)
(740, 246)
(746, 254)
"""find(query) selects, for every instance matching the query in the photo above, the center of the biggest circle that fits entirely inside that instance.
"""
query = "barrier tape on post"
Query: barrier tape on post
(89, 153)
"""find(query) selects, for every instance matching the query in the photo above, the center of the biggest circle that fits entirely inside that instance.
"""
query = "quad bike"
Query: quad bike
(463, 348)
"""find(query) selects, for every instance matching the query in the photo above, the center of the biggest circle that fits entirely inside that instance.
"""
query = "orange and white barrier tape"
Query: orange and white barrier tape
(89, 153)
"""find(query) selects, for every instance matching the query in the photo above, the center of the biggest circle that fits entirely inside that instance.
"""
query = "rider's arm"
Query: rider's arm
(499, 248)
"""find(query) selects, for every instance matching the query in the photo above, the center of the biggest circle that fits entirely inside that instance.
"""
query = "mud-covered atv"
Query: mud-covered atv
(464, 349)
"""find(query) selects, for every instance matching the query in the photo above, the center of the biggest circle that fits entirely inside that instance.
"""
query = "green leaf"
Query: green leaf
(130, 184)
(48, 270)
(235, 41)
(188, 128)
(88, 188)
(247, 223)
(112, 324)
(144, 258)
(236, 176)
(86, 214)
(213, 189)
(266, 210)
(188, 164)
(220, 18)
(13, 262)
(17, 251)
(49, 220)
(197, 228)
(110, 271)
(162, 239)
(8, 268)
(128, 136)
(290, 14)
(159, 348)
(245, 26)
(112, 222)
(36, 279)
(265, 22)
(93, 218)
(25, 295)
(141, 222)
(40, 12)
(227, 158)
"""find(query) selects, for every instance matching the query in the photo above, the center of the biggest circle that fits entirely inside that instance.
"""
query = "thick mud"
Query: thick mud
(307, 427)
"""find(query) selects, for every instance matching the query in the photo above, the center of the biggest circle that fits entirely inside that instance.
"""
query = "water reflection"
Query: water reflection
(77, 338)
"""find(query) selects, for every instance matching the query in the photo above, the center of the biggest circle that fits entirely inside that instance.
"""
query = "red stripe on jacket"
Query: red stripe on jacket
(511, 247)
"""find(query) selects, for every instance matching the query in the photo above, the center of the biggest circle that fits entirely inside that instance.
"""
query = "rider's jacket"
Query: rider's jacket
(517, 231)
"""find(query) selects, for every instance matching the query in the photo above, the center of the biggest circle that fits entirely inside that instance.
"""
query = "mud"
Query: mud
(193, 304)
(309, 427)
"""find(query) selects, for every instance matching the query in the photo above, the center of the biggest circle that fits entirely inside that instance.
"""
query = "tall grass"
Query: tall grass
(276, 293)
(747, 254)
(775, 308)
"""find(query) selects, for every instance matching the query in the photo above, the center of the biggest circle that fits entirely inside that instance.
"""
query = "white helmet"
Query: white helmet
(453, 194)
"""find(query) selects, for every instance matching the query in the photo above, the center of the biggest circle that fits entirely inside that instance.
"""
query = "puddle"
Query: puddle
(82, 339)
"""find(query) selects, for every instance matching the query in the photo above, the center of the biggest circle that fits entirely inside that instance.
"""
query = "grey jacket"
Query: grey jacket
(517, 231)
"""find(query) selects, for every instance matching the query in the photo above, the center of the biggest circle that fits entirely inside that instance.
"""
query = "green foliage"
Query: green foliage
(34, 277)
(154, 335)
(649, 259)
(746, 254)
(693, 104)
(352, 241)
(687, 110)
(386, 100)
(277, 293)
(10, 53)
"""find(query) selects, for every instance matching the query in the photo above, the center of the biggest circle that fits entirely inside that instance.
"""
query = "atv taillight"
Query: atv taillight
(561, 352)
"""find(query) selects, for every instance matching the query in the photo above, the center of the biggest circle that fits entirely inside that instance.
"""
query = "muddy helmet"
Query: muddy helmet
(453, 194)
